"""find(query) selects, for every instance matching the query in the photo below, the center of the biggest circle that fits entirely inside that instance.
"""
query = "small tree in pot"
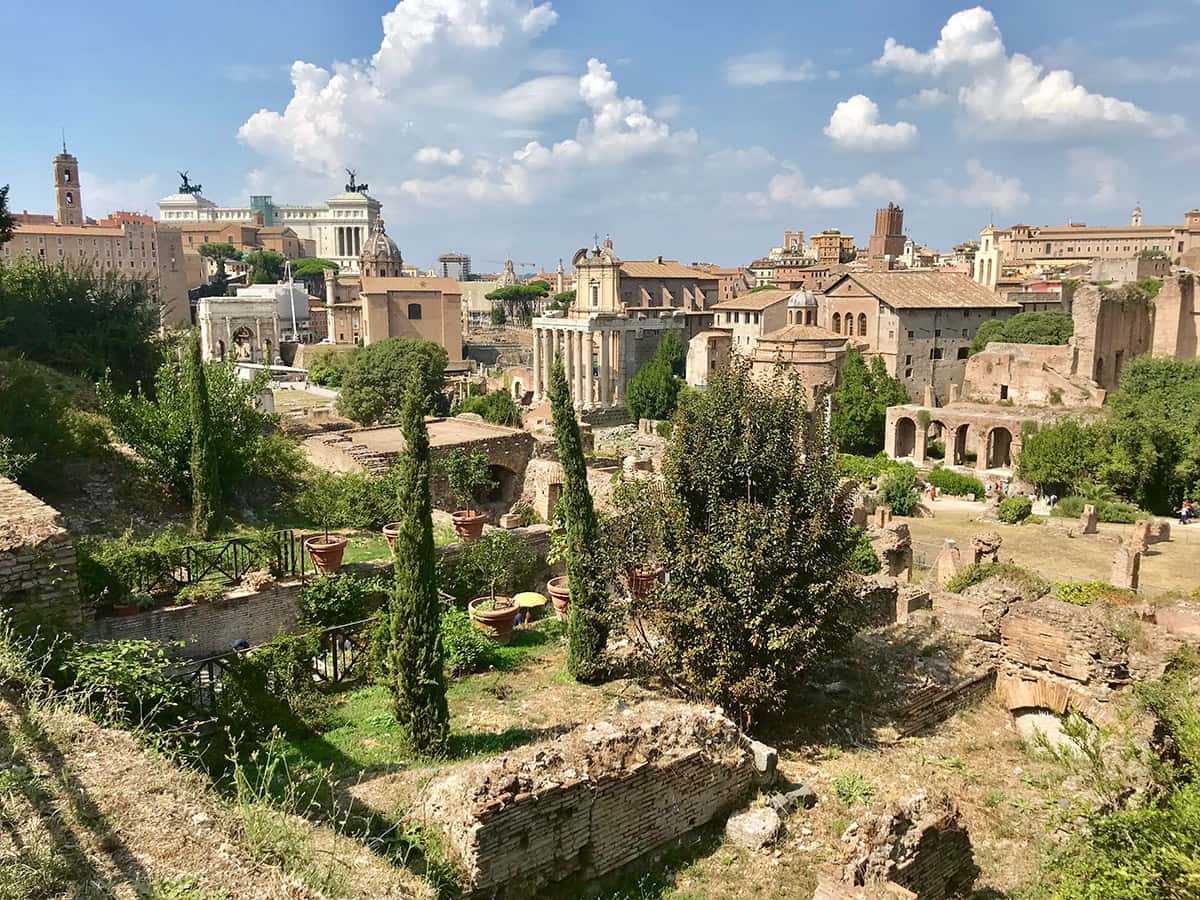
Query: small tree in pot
(321, 499)
(470, 480)
(499, 561)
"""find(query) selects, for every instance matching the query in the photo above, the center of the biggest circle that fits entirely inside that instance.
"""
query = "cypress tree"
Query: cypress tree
(414, 614)
(587, 625)
(201, 461)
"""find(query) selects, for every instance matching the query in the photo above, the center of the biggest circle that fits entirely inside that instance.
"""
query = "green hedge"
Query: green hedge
(870, 468)
(1085, 593)
(956, 484)
(1014, 510)
(1029, 583)
(1106, 510)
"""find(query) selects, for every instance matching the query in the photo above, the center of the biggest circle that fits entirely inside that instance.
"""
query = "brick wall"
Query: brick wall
(590, 801)
(210, 629)
(37, 559)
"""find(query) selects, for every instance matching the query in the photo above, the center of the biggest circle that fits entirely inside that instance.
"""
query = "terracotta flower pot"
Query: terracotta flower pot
(390, 530)
(560, 596)
(468, 525)
(642, 580)
(499, 621)
(326, 553)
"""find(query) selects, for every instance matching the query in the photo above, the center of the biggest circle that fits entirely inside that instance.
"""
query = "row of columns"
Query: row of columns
(349, 240)
(593, 361)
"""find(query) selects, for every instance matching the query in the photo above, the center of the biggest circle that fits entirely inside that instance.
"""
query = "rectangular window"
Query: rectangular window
(965, 333)
(1004, 392)
(937, 332)
(908, 359)
(910, 335)
(964, 352)
(935, 353)
(908, 373)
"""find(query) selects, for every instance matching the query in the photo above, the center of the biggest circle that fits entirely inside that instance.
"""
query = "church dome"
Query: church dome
(380, 256)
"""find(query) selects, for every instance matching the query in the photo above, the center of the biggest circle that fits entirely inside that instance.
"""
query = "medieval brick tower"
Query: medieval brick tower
(888, 237)
(66, 189)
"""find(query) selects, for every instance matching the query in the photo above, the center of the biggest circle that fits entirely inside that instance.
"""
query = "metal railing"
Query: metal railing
(228, 560)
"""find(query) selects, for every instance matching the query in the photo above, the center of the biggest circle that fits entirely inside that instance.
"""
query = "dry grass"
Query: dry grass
(85, 813)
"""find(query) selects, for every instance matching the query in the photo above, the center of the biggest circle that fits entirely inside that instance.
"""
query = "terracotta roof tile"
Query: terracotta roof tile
(928, 290)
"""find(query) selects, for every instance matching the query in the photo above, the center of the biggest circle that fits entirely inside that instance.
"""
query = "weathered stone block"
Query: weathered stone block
(1088, 520)
(1127, 564)
(753, 829)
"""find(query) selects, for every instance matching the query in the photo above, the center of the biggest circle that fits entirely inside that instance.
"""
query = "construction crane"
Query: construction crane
(523, 265)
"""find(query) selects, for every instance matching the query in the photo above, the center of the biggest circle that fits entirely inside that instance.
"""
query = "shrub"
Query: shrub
(1115, 511)
(868, 469)
(1029, 584)
(111, 570)
(497, 407)
(200, 592)
(1014, 510)
(348, 500)
(330, 600)
(955, 483)
(1085, 593)
(466, 647)
(860, 403)
(900, 491)
(273, 687)
(498, 563)
(130, 683)
(935, 449)
(468, 475)
(329, 367)
(863, 559)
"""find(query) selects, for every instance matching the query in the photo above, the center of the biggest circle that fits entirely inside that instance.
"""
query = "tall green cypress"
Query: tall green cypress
(587, 623)
(414, 614)
(201, 462)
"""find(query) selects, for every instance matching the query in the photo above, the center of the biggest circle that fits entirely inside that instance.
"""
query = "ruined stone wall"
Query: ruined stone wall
(1111, 328)
(37, 559)
(591, 801)
(1036, 374)
(1177, 318)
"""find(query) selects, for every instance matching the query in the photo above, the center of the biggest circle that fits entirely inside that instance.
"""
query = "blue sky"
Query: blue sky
(697, 130)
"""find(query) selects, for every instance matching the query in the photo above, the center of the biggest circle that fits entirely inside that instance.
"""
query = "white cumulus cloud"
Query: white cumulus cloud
(791, 188)
(855, 125)
(101, 196)
(998, 90)
(766, 67)
(983, 189)
(926, 98)
(436, 156)
(1099, 180)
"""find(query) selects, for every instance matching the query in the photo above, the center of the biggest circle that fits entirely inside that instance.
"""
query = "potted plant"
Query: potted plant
(470, 480)
(558, 587)
(498, 561)
(390, 530)
(321, 497)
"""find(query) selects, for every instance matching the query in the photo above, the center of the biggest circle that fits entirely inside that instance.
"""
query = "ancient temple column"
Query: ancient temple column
(618, 348)
(589, 345)
(537, 364)
(605, 375)
(568, 353)
(580, 378)
(547, 358)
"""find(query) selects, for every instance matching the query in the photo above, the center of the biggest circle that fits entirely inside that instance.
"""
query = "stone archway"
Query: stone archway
(935, 435)
(999, 448)
(505, 480)
(518, 390)
(906, 437)
(958, 451)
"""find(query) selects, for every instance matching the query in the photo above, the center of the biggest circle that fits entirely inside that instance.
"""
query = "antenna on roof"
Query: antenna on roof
(64, 139)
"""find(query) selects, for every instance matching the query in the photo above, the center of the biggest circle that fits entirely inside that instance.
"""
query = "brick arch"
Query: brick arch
(1019, 692)
(906, 437)
(999, 448)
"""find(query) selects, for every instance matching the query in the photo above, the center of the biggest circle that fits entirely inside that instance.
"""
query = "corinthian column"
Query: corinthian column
(537, 364)
(605, 374)
(588, 371)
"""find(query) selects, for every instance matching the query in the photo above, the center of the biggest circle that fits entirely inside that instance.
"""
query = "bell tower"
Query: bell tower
(66, 188)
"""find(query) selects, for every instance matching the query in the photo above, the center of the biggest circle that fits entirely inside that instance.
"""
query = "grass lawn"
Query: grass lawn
(361, 732)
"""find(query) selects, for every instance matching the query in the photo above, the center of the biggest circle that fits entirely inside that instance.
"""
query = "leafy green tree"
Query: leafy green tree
(653, 393)
(1149, 286)
(517, 301)
(1058, 457)
(860, 404)
(6, 220)
(415, 657)
(758, 544)
(1153, 450)
(562, 301)
(469, 475)
(201, 457)
(159, 424)
(498, 315)
(328, 366)
(311, 271)
(587, 620)
(1049, 327)
(373, 386)
(266, 266)
(79, 319)
(219, 253)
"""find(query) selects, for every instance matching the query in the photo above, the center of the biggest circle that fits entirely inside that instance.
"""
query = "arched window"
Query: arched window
(849, 323)
(862, 324)
(70, 199)
(414, 310)
(837, 323)
(67, 175)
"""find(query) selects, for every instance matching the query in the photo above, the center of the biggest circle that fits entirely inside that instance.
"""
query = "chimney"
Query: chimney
(659, 259)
